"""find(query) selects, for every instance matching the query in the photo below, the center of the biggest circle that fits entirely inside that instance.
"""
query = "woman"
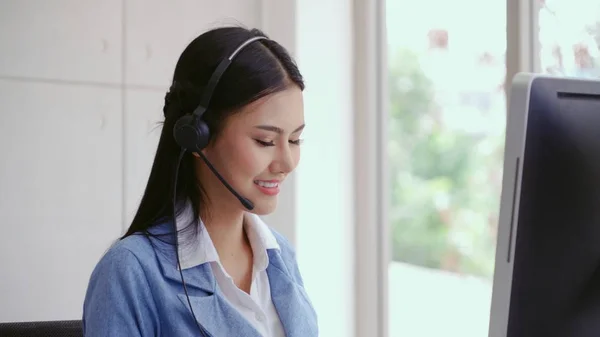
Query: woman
(231, 135)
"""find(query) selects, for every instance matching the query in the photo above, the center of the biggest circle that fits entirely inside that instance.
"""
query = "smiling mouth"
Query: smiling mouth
(267, 184)
(270, 188)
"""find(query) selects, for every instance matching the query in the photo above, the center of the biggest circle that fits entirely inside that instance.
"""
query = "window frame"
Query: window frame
(370, 170)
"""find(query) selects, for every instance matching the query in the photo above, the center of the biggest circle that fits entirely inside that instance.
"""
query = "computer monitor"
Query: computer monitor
(547, 269)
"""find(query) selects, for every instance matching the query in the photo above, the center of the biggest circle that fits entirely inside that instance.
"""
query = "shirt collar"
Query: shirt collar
(195, 250)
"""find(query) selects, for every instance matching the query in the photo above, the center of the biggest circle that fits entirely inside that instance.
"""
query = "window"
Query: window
(447, 110)
(569, 37)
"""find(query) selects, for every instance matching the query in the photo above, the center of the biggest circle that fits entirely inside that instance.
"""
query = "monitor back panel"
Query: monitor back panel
(556, 269)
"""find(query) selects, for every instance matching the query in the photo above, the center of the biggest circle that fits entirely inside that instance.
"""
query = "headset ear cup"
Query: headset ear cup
(185, 133)
(189, 135)
(203, 135)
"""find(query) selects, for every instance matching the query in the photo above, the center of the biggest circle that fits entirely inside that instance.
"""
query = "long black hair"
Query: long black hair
(261, 68)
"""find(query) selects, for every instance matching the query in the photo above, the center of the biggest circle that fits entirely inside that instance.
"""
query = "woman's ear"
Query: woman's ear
(203, 152)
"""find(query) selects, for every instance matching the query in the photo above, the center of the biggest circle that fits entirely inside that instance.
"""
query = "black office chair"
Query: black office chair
(42, 329)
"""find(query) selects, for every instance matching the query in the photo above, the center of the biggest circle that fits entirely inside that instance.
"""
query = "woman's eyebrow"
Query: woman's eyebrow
(277, 129)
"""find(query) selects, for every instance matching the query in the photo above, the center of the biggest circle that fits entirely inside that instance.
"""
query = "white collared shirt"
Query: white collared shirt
(256, 307)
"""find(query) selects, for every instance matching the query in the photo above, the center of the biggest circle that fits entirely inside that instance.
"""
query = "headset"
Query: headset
(193, 134)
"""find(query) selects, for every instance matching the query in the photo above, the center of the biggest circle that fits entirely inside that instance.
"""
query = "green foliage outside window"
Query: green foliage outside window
(444, 182)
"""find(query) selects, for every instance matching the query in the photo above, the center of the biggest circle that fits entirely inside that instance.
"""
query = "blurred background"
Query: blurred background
(394, 207)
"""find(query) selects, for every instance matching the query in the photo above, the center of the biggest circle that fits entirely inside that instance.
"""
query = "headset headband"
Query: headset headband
(216, 76)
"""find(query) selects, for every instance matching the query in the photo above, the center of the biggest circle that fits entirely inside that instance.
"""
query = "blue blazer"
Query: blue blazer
(136, 290)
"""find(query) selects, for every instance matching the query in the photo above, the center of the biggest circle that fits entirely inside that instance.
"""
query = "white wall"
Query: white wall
(60, 205)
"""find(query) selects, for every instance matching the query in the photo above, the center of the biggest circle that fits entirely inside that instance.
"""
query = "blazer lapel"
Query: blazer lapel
(211, 308)
(291, 301)
(198, 278)
(218, 317)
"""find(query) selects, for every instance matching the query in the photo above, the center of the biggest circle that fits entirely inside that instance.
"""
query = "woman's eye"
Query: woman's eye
(271, 143)
(263, 143)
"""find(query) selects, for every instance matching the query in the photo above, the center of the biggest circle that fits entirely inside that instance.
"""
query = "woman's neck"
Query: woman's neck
(233, 247)
(226, 230)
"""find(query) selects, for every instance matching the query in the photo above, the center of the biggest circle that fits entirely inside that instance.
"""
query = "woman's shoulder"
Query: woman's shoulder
(136, 251)
(135, 245)
(124, 256)
(119, 291)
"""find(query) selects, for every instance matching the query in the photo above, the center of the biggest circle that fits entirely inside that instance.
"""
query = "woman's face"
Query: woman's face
(256, 150)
